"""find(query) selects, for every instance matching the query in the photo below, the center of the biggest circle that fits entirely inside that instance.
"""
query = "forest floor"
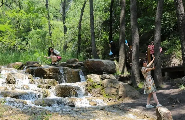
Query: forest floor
(169, 96)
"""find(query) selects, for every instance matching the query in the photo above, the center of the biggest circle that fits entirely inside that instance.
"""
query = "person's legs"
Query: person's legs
(148, 101)
(148, 98)
(155, 98)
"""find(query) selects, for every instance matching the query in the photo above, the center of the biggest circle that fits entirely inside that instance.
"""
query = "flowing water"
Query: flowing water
(23, 94)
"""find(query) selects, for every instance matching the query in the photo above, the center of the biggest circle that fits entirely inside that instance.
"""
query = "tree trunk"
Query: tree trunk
(79, 28)
(122, 56)
(94, 52)
(181, 24)
(157, 44)
(64, 16)
(135, 75)
(63, 4)
(110, 22)
(49, 25)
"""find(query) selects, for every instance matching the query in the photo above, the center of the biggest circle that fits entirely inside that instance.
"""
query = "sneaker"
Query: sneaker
(159, 105)
(53, 64)
(149, 106)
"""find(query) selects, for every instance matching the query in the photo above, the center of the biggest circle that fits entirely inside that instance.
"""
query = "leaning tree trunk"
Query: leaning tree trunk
(122, 56)
(135, 77)
(157, 44)
(181, 24)
(79, 28)
(48, 17)
(94, 52)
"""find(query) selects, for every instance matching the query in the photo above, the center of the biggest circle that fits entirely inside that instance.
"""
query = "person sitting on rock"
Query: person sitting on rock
(54, 55)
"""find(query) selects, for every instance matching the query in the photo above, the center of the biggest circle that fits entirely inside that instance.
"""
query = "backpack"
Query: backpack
(56, 52)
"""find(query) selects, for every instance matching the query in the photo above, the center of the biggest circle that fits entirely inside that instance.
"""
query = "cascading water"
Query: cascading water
(43, 93)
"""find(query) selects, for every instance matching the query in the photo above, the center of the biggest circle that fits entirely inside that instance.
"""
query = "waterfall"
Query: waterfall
(25, 94)
(61, 76)
(82, 77)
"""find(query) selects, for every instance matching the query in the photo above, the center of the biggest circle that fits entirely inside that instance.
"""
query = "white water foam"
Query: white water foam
(25, 101)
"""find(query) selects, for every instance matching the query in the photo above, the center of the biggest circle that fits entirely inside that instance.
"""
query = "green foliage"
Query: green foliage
(172, 46)
(141, 85)
(182, 87)
(24, 28)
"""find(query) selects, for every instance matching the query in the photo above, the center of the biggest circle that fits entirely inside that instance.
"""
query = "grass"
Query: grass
(7, 56)
(8, 113)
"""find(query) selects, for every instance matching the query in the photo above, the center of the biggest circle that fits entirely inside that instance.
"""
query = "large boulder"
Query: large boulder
(99, 66)
(125, 90)
(61, 74)
(98, 86)
(119, 89)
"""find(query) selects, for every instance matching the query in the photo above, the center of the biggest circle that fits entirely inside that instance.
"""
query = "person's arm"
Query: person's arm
(151, 62)
(149, 69)
(47, 57)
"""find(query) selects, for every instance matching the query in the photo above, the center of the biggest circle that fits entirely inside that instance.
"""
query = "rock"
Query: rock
(18, 94)
(48, 102)
(94, 78)
(72, 61)
(110, 83)
(125, 90)
(76, 65)
(50, 82)
(163, 114)
(92, 103)
(32, 64)
(99, 66)
(66, 91)
(111, 91)
(60, 74)
(16, 65)
(107, 76)
(10, 79)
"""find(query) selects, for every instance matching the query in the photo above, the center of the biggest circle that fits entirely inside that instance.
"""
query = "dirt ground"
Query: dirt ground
(170, 96)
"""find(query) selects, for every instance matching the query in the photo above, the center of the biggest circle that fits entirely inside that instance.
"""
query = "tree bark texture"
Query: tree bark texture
(63, 6)
(181, 24)
(157, 44)
(122, 56)
(94, 52)
(79, 28)
(64, 15)
(135, 77)
(49, 25)
(110, 21)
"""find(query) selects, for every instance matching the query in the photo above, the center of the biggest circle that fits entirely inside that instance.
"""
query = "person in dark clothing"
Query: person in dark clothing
(112, 49)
